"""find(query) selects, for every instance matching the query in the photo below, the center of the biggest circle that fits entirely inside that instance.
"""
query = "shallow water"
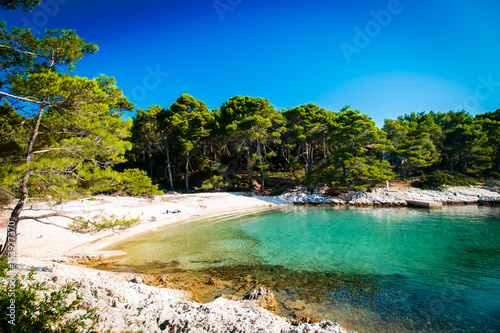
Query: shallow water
(370, 269)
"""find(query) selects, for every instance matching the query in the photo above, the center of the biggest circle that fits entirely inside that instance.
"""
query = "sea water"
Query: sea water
(370, 269)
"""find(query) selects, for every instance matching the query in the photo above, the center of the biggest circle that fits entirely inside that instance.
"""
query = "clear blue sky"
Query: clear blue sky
(384, 58)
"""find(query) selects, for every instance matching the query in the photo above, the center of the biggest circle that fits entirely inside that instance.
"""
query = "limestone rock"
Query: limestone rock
(391, 197)
(264, 298)
(126, 306)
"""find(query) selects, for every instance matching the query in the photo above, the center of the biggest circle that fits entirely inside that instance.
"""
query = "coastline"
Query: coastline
(49, 238)
(44, 245)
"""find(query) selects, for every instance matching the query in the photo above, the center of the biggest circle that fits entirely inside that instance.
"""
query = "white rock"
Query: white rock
(127, 306)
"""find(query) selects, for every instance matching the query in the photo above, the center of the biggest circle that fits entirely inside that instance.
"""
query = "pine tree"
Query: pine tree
(249, 124)
(413, 146)
(68, 122)
(357, 148)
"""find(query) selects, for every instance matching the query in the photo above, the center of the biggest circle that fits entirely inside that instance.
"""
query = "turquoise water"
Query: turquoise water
(370, 269)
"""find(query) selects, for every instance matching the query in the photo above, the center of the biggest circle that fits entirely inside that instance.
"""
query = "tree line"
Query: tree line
(187, 146)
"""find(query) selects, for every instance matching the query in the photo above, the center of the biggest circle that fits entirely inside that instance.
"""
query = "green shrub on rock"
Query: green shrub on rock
(28, 306)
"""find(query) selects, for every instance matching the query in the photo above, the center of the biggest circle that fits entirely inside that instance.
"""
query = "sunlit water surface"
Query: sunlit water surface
(370, 269)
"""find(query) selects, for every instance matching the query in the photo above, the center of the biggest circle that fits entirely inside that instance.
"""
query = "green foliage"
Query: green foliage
(438, 179)
(248, 126)
(23, 53)
(146, 136)
(102, 222)
(39, 309)
(133, 182)
(306, 132)
(214, 183)
(413, 146)
(10, 132)
(136, 182)
(463, 145)
(190, 122)
(25, 5)
(353, 162)
(490, 125)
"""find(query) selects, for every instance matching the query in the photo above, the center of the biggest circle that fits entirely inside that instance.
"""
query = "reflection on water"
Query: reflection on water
(371, 270)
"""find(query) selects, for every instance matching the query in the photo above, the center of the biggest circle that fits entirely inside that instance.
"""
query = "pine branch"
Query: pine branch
(21, 98)
(38, 218)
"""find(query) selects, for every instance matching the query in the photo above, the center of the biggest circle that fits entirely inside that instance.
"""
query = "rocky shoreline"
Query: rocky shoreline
(393, 197)
(124, 303)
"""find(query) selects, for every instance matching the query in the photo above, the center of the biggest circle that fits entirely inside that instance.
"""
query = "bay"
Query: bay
(370, 269)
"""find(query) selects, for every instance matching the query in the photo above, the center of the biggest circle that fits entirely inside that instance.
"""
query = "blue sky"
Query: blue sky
(384, 58)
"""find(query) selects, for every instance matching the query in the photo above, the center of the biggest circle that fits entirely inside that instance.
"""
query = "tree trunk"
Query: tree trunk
(169, 169)
(150, 157)
(249, 166)
(187, 172)
(10, 242)
(259, 153)
(11, 238)
(311, 157)
(497, 164)
(306, 157)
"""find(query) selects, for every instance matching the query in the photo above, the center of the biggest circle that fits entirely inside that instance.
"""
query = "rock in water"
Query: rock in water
(264, 298)
(97, 257)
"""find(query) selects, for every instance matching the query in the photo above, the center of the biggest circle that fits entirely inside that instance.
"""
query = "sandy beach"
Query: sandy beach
(49, 238)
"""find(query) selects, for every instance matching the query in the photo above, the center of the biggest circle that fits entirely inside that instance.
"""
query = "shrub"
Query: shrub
(102, 222)
(215, 183)
(437, 179)
(37, 308)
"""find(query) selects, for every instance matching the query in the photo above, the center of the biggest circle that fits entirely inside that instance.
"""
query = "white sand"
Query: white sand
(41, 240)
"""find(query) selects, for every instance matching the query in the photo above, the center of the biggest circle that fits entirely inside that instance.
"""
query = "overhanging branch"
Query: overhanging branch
(20, 98)
(38, 218)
